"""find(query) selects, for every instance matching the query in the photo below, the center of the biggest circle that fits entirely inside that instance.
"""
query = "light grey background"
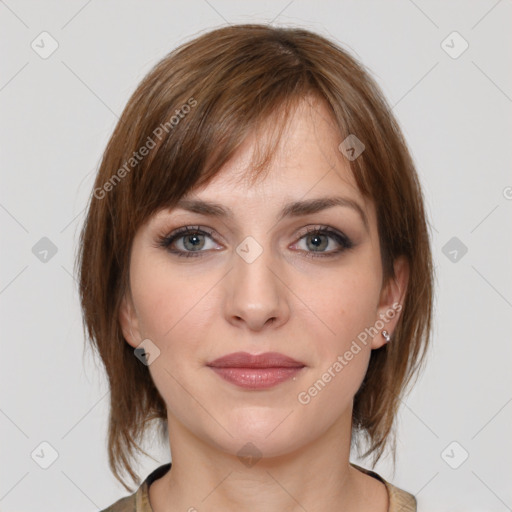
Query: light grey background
(56, 116)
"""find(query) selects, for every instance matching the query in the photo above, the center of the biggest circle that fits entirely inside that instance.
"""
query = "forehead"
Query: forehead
(305, 161)
(306, 174)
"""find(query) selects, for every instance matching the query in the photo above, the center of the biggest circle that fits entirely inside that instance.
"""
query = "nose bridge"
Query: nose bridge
(256, 293)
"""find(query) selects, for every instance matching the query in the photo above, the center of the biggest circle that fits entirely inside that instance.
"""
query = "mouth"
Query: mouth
(256, 371)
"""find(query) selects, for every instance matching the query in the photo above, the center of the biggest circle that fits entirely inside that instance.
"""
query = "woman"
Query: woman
(256, 275)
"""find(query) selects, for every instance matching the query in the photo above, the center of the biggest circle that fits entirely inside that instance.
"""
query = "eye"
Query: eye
(192, 241)
(318, 239)
(189, 241)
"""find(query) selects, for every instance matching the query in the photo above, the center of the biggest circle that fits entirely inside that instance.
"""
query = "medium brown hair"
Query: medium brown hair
(191, 112)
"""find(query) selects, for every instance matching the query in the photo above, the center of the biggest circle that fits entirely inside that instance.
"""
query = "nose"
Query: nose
(256, 294)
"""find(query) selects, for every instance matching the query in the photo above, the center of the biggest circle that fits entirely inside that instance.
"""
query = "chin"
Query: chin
(257, 435)
(250, 449)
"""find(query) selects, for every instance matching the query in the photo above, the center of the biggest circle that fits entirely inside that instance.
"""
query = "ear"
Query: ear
(129, 321)
(391, 301)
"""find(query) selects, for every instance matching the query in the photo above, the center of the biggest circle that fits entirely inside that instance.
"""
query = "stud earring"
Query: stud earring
(386, 336)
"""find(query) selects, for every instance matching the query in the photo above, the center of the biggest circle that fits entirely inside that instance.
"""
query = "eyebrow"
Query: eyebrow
(294, 209)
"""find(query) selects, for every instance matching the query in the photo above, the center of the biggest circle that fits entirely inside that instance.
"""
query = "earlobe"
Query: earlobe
(391, 303)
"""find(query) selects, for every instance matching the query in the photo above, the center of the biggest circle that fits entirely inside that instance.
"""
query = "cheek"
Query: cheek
(348, 308)
(345, 302)
(174, 310)
(173, 313)
(161, 297)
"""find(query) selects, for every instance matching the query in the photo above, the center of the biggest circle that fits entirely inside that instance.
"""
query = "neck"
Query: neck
(312, 477)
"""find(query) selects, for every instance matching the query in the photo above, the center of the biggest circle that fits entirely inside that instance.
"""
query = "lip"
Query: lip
(256, 371)
(265, 360)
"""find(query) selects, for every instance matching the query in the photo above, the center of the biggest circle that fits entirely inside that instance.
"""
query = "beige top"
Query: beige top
(399, 501)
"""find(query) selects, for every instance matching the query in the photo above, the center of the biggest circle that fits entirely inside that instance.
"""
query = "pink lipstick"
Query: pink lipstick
(256, 371)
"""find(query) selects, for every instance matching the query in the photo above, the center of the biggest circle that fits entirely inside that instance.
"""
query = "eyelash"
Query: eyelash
(166, 240)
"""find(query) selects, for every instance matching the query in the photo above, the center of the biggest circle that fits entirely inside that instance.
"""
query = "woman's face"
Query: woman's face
(306, 284)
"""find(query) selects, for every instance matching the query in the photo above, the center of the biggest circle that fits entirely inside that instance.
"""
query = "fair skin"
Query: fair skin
(287, 300)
